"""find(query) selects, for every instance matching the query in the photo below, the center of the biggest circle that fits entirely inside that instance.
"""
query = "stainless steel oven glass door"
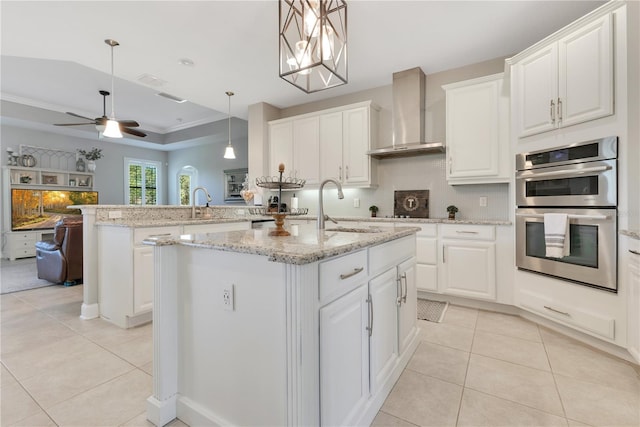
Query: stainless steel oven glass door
(582, 184)
(593, 237)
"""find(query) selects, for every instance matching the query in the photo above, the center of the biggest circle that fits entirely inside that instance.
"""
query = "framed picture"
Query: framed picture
(49, 179)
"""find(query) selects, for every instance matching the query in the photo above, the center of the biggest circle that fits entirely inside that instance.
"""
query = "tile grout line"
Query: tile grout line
(466, 372)
(553, 374)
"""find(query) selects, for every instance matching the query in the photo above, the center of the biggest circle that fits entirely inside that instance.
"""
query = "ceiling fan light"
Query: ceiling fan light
(112, 130)
(229, 153)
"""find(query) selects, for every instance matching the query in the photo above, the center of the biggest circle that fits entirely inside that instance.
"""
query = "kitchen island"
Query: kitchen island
(308, 329)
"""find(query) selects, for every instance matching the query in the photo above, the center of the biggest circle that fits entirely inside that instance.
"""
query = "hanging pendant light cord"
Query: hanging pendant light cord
(229, 94)
(113, 93)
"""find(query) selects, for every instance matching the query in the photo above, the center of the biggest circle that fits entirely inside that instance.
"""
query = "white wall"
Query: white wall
(412, 173)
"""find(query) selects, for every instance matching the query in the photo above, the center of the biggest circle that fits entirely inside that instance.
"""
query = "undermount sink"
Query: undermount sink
(356, 230)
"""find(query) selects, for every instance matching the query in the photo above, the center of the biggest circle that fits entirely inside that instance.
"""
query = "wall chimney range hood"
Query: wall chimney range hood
(408, 118)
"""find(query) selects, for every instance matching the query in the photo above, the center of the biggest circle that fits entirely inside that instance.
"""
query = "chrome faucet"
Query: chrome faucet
(321, 216)
(193, 200)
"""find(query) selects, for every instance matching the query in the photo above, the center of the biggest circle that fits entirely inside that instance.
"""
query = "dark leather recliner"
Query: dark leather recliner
(60, 260)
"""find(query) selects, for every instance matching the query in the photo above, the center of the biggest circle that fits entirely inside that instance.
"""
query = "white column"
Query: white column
(90, 308)
(161, 406)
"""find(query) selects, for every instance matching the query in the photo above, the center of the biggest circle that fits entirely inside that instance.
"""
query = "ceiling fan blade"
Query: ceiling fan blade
(132, 132)
(72, 124)
(79, 116)
(129, 123)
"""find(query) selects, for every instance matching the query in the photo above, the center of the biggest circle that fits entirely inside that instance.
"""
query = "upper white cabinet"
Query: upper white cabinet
(327, 144)
(565, 81)
(477, 131)
(296, 144)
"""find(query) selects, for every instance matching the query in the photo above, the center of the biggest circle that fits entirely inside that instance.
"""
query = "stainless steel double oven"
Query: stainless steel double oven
(580, 180)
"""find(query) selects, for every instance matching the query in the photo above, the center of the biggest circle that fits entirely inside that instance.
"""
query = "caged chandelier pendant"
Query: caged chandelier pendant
(313, 43)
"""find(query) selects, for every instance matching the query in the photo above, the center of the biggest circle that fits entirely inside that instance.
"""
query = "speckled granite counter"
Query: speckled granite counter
(634, 234)
(143, 223)
(413, 220)
(305, 245)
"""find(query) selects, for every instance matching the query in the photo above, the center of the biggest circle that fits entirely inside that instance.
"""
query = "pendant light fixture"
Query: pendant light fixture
(313, 43)
(112, 128)
(228, 152)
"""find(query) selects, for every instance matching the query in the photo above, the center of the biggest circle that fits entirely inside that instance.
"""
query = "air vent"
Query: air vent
(172, 98)
(151, 80)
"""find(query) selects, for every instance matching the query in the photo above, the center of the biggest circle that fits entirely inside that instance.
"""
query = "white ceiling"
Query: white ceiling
(54, 55)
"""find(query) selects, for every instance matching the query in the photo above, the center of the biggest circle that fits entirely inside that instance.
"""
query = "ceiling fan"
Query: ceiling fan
(101, 122)
(109, 126)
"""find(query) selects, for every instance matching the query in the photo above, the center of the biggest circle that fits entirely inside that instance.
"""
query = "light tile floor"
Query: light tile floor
(477, 368)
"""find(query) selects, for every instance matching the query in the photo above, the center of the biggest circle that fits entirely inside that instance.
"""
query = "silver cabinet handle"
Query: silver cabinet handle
(399, 291)
(353, 273)
(564, 313)
(340, 172)
(443, 260)
(571, 216)
(370, 306)
(406, 287)
(552, 112)
(466, 232)
(159, 235)
(346, 169)
(559, 110)
(571, 172)
(634, 252)
(450, 164)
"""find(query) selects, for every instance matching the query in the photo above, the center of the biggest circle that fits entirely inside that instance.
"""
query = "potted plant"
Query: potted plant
(374, 210)
(91, 156)
(452, 209)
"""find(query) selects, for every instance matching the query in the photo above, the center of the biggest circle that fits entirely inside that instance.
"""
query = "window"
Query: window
(142, 178)
(187, 181)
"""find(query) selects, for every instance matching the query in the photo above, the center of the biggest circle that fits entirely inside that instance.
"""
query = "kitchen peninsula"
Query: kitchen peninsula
(308, 329)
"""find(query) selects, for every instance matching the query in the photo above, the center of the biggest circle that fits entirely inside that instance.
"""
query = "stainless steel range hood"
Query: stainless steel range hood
(408, 118)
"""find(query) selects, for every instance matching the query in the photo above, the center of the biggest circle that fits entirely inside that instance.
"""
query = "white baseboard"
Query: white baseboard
(90, 311)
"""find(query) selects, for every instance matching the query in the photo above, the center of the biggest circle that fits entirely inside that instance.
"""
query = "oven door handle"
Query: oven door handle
(571, 216)
(563, 172)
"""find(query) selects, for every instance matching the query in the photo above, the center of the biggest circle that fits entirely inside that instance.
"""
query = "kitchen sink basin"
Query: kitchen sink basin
(356, 230)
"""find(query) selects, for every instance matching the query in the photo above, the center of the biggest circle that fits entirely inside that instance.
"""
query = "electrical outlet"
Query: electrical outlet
(115, 214)
(356, 203)
(483, 201)
(227, 298)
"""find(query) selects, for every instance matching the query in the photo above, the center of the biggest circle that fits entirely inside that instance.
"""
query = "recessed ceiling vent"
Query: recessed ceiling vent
(151, 80)
(172, 97)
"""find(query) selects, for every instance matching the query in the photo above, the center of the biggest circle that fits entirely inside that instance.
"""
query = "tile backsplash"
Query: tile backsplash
(413, 173)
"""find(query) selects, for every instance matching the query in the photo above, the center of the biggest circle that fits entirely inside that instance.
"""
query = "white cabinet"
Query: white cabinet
(633, 278)
(427, 257)
(383, 292)
(295, 142)
(326, 144)
(21, 244)
(344, 358)
(565, 82)
(477, 126)
(142, 279)
(407, 304)
(468, 265)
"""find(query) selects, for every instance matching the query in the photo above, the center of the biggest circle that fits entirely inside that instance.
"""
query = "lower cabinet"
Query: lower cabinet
(344, 358)
(142, 279)
(468, 269)
(368, 334)
(633, 310)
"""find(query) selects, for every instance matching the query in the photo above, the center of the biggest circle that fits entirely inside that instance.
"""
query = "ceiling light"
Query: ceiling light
(228, 152)
(313, 43)
(112, 130)
(171, 97)
(185, 61)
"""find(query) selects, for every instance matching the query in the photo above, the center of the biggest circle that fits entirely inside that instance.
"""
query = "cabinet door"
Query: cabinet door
(633, 272)
(407, 310)
(536, 91)
(427, 268)
(306, 149)
(355, 146)
(474, 138)
(586, 73)
(331, 143)
(469, 269)
(384, 338)
(142, 279)
(281, 148)
(344, 358)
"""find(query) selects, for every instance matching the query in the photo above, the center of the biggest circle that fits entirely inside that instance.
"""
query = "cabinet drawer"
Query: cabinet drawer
(468, 231)
(387, 255)
(551, 308)
(19, 239)
(140, 234)
(341, 275)
(21, 252)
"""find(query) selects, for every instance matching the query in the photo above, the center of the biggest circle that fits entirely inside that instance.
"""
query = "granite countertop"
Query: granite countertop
(412, 220)
(305, 245)
(142, 223)
(634, 234)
